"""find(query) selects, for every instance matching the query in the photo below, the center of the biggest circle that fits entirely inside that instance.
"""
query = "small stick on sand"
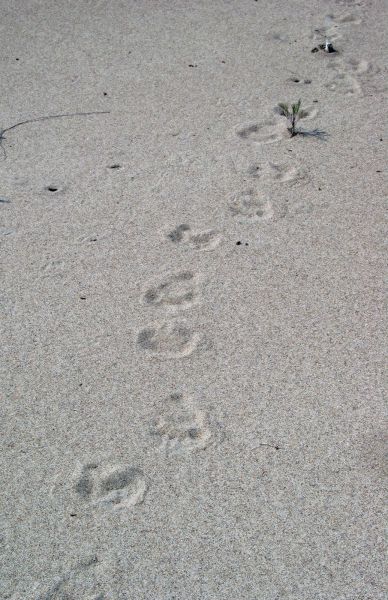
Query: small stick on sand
(60, 116)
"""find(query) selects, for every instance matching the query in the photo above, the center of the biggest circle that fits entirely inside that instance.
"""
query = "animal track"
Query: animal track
(348, 73)
(205, 240)
(361, 67)
(283, 173)
(168, 340)
(266, 132)
(182, 426)
(200, 240)
(344, 84)
(280, 173)
(247, 206)
(271, 130)
(110, 486)
(179, 290)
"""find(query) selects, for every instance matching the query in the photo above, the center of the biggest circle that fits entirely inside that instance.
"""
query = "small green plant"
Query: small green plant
(293, 115)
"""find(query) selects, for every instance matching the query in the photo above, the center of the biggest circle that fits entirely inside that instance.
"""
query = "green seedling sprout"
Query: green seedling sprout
(293, 115)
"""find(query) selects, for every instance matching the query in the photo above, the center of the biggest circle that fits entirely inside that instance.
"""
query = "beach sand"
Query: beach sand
(192, 301)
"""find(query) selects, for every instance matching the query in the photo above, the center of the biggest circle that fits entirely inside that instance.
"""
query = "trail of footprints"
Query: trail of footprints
(177, 427)
(175, 292)
(181, 427)
(175, 338)
(347, 77)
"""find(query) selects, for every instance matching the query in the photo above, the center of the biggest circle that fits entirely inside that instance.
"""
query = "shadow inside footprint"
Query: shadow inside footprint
(108, 486)
(199, 240)
(178, 290)
(168, 340)
(266, 132)
(119, 479)
(84, 485)
(123, 487)
(245, 132)
(178, 234)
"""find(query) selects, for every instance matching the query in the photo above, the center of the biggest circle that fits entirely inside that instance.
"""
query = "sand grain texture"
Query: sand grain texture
(192, 304)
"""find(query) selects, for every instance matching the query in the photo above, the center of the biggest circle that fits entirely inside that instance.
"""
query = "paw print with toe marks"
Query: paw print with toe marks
(248, 206)
(110, 486)
(206, 240)
(167, 340)
(175, 291)
(182, 427)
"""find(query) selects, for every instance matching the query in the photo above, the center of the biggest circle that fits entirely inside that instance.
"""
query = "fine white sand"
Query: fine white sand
(192, 315)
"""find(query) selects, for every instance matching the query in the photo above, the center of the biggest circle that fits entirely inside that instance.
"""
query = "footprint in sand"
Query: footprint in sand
(167, 340)
(111, 486)
(272, 130)
(344, 84)
(108, 486)
(199, 240)
(361, 68)
(248, 206)
(275, 172)
(345, 79)
(265, 132)
(176, 291)
(182, 427)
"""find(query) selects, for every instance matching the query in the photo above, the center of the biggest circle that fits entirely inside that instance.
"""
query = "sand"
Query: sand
(192, 301)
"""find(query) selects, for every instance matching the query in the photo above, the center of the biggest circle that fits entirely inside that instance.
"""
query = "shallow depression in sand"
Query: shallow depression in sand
(249, 206)
(174, 339)
(176, 291)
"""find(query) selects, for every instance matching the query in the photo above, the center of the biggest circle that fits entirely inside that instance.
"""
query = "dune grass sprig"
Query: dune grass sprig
(293, 115)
